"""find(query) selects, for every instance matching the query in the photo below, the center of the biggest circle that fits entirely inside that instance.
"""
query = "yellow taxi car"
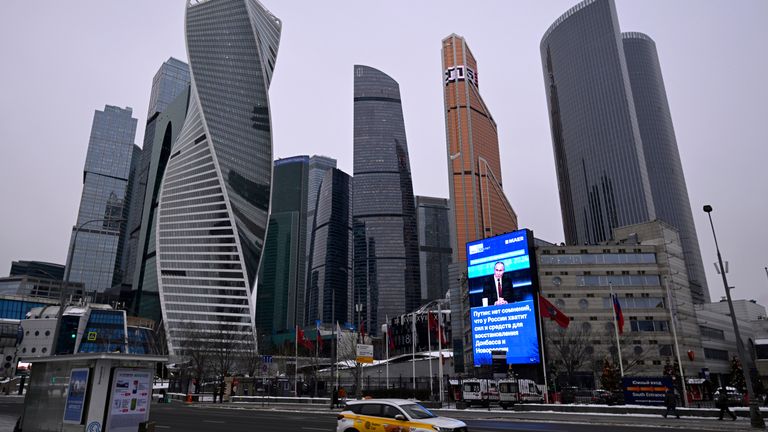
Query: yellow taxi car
(393, 415)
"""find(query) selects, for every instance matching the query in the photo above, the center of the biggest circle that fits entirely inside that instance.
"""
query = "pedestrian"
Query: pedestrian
(670, 401)
(215, 393)
(722, 403)
(335, 398)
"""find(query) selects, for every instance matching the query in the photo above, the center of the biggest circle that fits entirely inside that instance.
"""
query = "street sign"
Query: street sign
(364, 353)
(91, 336)
(266, 359)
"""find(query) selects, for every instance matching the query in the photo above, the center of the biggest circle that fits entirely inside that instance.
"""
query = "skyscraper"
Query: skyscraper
(214, 198)
(599, 159)
(615, 151)
(386, 249)
(112, 155)
(329, 280)
(171, 82)
(435, 253)
(280, 294)
(662, 157)
(318, 166)
(478, 204)
(162, 130)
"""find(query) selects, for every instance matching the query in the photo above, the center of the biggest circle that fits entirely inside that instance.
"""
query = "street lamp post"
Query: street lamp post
(67, 271)
(756, 419)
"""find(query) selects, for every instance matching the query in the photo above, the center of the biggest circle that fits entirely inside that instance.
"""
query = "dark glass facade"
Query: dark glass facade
(169, 82)
(435, 253)
(104, 332)
(37, 269)
(96, 259)
(662, 157)
(162, 130)
(599, 159)
(386, 250)
(318, 166)
(215, 194)
(329, 280)
(280, 294)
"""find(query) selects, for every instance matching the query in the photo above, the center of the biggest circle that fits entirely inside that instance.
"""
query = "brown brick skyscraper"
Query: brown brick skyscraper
(479, 205)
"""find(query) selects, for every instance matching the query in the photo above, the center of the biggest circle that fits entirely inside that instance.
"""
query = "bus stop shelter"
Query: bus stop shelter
(91, 392)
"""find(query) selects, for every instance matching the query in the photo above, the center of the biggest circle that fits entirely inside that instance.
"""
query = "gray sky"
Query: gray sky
(63, 60)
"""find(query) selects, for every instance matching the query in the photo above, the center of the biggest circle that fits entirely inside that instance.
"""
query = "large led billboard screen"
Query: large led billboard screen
(502, 297)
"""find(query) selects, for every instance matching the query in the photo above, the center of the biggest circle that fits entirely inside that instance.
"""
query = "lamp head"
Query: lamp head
(707, 208)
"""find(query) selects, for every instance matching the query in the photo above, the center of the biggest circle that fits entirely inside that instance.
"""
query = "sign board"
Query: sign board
(364, 353)
(130, 396)
(266, 359)
(502, 287)
(76, 393)
(645, 390)
(91, 336)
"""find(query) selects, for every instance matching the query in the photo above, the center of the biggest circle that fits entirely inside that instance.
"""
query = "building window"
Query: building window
(649, 326)
(712, 333)
(715, 354)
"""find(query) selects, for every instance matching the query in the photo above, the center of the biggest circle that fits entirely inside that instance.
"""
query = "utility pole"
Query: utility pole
(756, 419)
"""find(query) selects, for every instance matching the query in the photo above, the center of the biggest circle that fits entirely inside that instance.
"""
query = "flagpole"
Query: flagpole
(387, 334)
(440, 346)
(616, 328)
(413, 351)
(317, 353)
(296, 365)
(429, 349)
(543, 356)
(338, 334)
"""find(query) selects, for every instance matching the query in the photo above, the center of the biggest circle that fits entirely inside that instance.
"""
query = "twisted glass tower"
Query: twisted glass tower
(214, 199)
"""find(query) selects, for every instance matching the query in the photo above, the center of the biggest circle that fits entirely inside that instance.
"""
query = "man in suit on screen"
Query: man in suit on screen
(498, 287)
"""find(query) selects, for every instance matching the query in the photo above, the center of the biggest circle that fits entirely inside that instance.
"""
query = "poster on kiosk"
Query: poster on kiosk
(503, 291)
(129, 399)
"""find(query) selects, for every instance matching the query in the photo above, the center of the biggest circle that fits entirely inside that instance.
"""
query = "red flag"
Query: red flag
(306, 343)
(619, 314)
(390, 341)
(443, 340)
(362, 331)
(548, 310)
(319, 338)
(432, 322)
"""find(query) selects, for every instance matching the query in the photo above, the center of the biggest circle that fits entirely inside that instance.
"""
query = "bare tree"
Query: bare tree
(570, 348)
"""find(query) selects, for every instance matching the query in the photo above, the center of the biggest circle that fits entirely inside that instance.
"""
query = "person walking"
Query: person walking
(723, 402)
(670, 401)
(343, 396)
(335, 398)
(215, 393)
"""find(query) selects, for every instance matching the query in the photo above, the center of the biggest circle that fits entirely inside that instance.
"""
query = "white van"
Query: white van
(480, 391)
(530, 391)
(509, 393)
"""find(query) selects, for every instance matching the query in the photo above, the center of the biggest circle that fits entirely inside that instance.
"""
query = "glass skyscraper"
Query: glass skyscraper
(171, 80)
(662, 157)
(329, 280)
(435, 253)
(386, 246)
(112, 155)
(478, 202)
(214, 198)
(280, 294)
(615, 152)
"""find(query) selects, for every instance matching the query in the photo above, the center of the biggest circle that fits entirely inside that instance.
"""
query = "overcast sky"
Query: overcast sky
(63, 60)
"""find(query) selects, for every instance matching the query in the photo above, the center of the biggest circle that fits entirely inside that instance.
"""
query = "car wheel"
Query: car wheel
(351, 430)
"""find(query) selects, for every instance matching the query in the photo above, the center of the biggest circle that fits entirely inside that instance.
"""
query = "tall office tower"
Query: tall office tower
(280, 293)
(95, 260)
(214, 198)
(162, 130)
(318, 166)
(170, 80)
(435, 253)
(329, 280)
(386, 245)
(662, 157)
(478, 204)
(606, 98)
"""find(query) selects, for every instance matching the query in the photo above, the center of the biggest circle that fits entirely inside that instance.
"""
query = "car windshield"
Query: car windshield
(416, 411)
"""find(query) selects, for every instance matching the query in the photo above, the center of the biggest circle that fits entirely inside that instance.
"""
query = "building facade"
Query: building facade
(645, 269)
(386, 249)
(435, 253)
(615, 151)
(280, 295)
(215, 194)
(662, 157)
(162, 130)
(329, 279)
(170, 81)
(96, 257)
(478, 203)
